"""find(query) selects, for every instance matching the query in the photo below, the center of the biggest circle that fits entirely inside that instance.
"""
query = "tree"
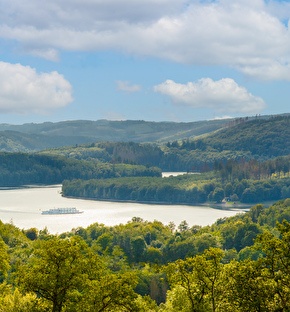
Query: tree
(205, 241)
(277, 263)
(32, 233)
(106, 291)
(218, 195)
(138, 248)
(177, 300)
(199, 279)
(69, 276)
(14, 301)
(4, 259)
(56, 270)
(183, 226)
(255, 211)
(247, 288)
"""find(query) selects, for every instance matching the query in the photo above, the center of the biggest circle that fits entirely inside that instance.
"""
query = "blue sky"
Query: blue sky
(154, 60)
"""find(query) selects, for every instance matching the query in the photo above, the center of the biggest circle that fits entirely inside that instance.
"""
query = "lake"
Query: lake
(23, 207)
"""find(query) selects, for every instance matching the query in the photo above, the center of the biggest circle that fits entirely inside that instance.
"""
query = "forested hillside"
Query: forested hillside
(261, 137)
(250, 183)
(21, 169)
(243, 140)
(113, 152)
(35, 137)
(239, 174)
(238, 264)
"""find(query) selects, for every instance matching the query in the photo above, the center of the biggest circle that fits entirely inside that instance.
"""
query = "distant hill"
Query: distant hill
(242, 140)
(198, 147)
(35, 137)
(261, 137)
(202, 141)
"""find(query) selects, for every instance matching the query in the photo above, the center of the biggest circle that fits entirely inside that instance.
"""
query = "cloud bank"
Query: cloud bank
(23, 90)
(251, 36)
(224, 96)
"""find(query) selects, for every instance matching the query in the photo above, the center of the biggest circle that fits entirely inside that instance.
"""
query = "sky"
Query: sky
(153, 60)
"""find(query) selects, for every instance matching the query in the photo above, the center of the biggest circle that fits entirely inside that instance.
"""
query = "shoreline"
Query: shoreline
(225, 206)
(221, 206)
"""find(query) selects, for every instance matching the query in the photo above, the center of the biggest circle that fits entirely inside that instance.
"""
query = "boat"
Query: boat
(69, 210)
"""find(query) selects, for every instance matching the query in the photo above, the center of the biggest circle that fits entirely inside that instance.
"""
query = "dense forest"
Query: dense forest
(262, 137)
(258, 139)
(248, 182)
(233, 181)
(22, 169)
(237, 264)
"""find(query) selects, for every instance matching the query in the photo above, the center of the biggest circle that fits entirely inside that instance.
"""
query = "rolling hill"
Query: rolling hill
(35, 137)
(261, 137)
(242, 140)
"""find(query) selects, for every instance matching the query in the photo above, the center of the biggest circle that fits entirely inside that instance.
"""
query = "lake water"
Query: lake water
(23, 207)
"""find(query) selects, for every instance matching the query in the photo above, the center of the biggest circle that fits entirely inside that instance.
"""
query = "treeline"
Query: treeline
(135, 189)
(248, 182)
(113, 152)
(185, 189)
(231, 170)
(176, 159)
(168, 159)
(238, 264)
(258, 139)
(21, 169)
(129, 152)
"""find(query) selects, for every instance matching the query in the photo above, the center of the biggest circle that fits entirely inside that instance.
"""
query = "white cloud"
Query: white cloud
(224, 96)
(48, 54)
(249, 35)
(85, 14)
(268, 71)
(127, 87)
(23, 90)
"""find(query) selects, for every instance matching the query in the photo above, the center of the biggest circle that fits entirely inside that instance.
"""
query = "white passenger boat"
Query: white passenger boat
(69, 210)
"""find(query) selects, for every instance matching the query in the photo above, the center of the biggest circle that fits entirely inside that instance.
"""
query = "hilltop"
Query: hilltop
(261, 137)
(239, 134)
(35, 137)
(240, 140)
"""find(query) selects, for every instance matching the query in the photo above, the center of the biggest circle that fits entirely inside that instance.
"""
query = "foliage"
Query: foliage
(200, 280)
(22, 169)
(68, 276)
(241, 263)
(185, 189)
(262, 137)
(172, 190)
(4, 258)
(243, 140)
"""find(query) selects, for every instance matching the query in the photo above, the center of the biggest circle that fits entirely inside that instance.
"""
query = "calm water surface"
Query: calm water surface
(23, 208)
